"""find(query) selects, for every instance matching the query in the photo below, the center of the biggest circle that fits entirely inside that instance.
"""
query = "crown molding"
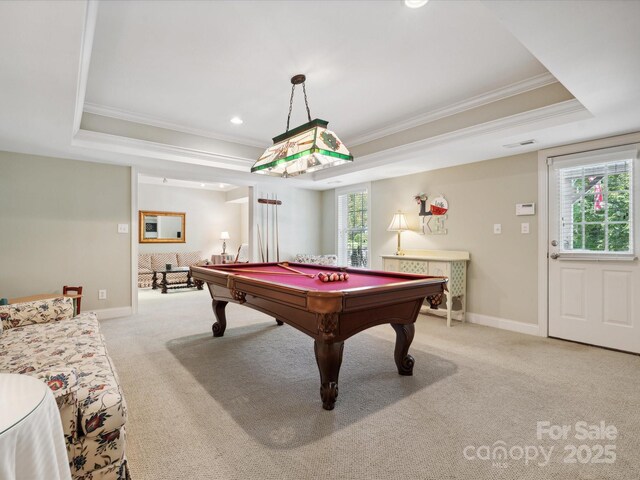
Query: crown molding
(144, 148)
(572, 109)
(157, 180)
(86, 48)
(516, 88)
(121, 114)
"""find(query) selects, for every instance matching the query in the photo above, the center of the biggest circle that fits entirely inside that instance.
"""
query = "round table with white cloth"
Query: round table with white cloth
(31, 439)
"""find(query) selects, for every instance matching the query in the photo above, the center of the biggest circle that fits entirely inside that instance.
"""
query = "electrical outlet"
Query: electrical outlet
(497, 228)
(123, 228)
(524, 227)
(102, 294)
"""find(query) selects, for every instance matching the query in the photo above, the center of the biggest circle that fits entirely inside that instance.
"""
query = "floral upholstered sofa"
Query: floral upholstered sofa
(330, 259)
(43, 339)
(148, 262)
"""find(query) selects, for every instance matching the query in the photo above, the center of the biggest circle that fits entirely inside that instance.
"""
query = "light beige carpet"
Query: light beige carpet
(247, 406)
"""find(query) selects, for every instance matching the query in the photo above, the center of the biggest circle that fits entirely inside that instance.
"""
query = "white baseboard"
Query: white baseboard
(105, 313)
(441, 312)
(503, 323)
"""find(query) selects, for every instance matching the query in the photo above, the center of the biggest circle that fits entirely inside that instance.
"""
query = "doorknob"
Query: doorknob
(554, 255)
(554, 243)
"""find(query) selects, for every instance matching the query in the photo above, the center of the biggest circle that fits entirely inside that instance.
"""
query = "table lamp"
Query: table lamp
(398, 224)
(224, 236)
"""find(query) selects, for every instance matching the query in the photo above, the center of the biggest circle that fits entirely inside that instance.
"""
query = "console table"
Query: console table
(447, 263)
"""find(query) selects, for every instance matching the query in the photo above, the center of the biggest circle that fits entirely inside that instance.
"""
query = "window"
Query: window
(596, 207)
(353, 227)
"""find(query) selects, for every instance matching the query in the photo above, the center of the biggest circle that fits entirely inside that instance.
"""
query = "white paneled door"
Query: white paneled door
(594, 273)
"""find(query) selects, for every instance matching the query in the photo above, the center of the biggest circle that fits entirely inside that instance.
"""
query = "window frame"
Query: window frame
(338, 192)
(596, 157)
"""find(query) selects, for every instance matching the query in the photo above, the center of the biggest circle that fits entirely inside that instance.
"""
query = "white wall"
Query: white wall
(502, 274)
(329, 231)
(299, 220)
(59, 226)
(207, 215)
(244, 222)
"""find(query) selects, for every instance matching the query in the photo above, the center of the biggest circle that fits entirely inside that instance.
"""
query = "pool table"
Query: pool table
(328, 312)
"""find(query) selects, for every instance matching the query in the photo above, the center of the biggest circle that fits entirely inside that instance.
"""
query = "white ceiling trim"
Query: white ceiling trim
(516, 88)
(121, 114)
(86, 48)
(144, 148)
(175, 182)
(569, 110)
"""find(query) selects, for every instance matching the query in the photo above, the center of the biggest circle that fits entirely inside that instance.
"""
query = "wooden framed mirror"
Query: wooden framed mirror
(161, 227)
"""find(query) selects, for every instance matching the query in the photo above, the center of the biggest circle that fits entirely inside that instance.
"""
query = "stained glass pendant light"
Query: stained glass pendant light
(304, 149)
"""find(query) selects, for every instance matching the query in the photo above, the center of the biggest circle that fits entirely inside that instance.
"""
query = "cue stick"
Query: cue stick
(248, 270)
(286, 266)
(267, 229)
(260, 243)
(277, 233)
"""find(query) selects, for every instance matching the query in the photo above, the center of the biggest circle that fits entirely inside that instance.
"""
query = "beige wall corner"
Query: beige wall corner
(60, 227)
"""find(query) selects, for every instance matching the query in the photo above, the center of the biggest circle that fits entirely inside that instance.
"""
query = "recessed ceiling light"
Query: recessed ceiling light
(415, 3)
(222, 185)
(237, 121)
(202, 185)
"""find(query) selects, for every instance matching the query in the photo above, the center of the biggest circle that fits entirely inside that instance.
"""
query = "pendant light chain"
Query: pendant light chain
(293, 88)
(304, 89)
(306, 102)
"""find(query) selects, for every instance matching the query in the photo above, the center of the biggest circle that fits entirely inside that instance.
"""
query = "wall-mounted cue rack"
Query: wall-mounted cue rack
(269, 228)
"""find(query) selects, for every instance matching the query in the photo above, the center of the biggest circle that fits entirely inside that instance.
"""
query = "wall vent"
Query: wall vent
(520, 144)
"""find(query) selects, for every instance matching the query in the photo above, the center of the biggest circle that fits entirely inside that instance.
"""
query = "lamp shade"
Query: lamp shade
(398, 223)
(224, 236)
(307, 148)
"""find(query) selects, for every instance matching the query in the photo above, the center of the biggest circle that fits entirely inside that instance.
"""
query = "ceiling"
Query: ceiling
(154, 84)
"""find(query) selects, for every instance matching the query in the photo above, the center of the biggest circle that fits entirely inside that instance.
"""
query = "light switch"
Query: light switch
(123, 228)
(524, 227)
(497, 228)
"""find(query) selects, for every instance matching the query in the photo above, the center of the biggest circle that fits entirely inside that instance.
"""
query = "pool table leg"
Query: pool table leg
(329, 359)
(404, 337)
(221, 318)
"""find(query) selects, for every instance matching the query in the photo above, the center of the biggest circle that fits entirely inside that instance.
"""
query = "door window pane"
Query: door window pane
(619, 237)
(595, 207)
(594, 237)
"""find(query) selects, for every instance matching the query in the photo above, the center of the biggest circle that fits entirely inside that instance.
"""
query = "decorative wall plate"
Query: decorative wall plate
(439, 205)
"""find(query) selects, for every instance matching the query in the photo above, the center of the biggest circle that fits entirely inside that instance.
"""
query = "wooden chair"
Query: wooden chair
(76, 290)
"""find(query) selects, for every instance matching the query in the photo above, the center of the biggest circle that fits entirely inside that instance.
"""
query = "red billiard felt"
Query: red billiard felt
(356, 280)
